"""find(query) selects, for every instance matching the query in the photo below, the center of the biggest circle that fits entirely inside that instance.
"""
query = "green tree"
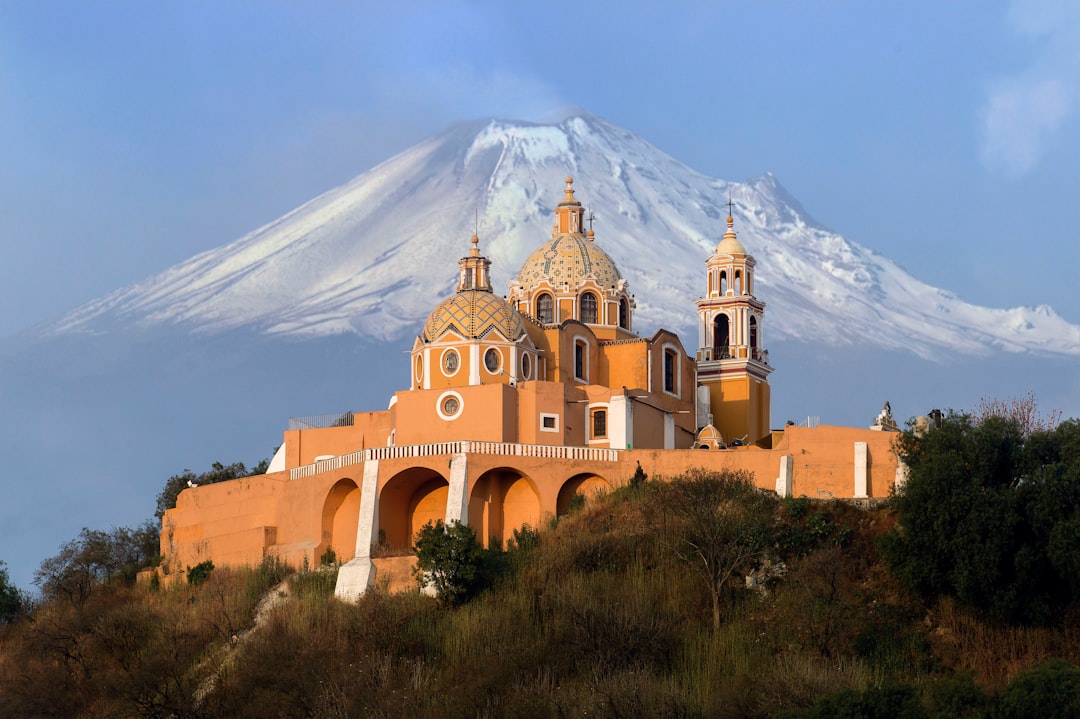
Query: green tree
(989, 515)
(723, 527)
(12, 600)
(96, 557)
(177, 483)
(450, 559)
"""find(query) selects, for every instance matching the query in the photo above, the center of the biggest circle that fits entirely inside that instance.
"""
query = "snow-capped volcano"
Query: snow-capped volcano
(376, 254)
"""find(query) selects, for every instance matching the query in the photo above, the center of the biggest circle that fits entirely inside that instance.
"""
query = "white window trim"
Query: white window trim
(439, 404)
(498, 365)
(585, 359)
(545, 415)
(590, 439)
(525, 364)
(442, 362)
(677, 370)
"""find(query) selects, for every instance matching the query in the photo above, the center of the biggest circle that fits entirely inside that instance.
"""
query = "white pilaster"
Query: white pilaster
(620, 422)
(457, 499)
(784, 484)
(669, 430)
(474, 364)
(357, 575)
(861, 456)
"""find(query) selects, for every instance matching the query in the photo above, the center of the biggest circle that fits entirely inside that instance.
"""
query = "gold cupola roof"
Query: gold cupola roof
(473, 314)
(730, 244)
(474, 311)
(571, 255)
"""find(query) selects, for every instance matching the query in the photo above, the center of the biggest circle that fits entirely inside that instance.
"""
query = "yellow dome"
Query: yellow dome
(730, 245)
(569, 260)
(473, 314)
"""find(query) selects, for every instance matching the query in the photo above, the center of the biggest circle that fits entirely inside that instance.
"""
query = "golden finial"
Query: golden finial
(569, 195)
(474, 251)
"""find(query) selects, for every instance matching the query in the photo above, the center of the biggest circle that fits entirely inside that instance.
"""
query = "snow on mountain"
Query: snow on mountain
(375, 255)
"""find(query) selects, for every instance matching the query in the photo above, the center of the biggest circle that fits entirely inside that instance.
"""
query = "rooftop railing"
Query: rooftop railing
(709, 354)
(543, 451)
(321, 421)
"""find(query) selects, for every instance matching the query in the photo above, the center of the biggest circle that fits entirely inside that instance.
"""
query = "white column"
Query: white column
(457, 499)
(861, 457)
(784, 484)
(357, 575)
(514, 364)
(704, 408)
(474, 364)
(620, 422)
(669, 430)
(427, 368)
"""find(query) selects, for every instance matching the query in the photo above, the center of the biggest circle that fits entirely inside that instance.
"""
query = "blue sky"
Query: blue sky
(134, 135)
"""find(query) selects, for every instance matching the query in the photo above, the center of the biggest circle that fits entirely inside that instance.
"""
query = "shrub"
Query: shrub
(199, 573)
(449, 559)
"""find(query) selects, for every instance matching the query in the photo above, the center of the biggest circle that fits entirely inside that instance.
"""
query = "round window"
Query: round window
(450, 406)
(450, 361)
(491, 359)
(525, 366)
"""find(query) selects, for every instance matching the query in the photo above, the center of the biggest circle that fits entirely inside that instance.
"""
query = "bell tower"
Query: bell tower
(733, 365)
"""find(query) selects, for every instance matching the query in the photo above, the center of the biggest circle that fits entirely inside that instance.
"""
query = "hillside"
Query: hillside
(599, 614)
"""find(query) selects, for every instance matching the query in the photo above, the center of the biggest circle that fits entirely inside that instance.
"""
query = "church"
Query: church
(518, 405)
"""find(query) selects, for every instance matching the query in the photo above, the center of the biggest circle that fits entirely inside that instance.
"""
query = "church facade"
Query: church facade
(517, 405)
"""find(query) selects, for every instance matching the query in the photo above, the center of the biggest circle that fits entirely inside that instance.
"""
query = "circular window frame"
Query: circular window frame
(446, 354)
(493, 352)
(442, 401)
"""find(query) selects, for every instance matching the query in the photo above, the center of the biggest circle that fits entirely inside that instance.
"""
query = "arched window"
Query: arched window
(624, 314)
(579, 361)
(670, 367)
(723, 282)
(721, 339)
(588, 308)
(753, 338)
(545, 309)
(738, 282)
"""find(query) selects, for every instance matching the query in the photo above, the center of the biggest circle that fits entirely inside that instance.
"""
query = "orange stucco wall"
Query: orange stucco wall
(240, 521)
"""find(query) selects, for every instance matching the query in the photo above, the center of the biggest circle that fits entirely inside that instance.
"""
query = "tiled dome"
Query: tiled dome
(569, 260)
(473, 314)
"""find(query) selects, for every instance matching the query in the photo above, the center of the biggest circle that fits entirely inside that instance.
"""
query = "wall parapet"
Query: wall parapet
(509, 449)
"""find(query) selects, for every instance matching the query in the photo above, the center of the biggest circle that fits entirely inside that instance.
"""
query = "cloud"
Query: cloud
(1025, 112)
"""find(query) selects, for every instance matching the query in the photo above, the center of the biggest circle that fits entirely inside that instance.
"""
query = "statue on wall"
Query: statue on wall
(885, 418)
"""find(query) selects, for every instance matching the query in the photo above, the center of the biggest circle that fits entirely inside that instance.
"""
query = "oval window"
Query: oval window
(526, 365)
(491, 359)
(450, 361)
(419, 368)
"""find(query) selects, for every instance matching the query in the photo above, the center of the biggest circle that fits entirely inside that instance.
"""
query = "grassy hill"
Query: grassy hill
(699, 597)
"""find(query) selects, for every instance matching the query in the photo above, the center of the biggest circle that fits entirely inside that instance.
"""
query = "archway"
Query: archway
(501, 501)
(586, 486)
(340, 517)
(721, 336)
(409, 500)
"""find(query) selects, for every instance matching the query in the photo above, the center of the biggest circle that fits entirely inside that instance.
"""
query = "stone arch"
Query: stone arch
(409, 500)
(340, 516)
(502, 500)
(586, 485)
